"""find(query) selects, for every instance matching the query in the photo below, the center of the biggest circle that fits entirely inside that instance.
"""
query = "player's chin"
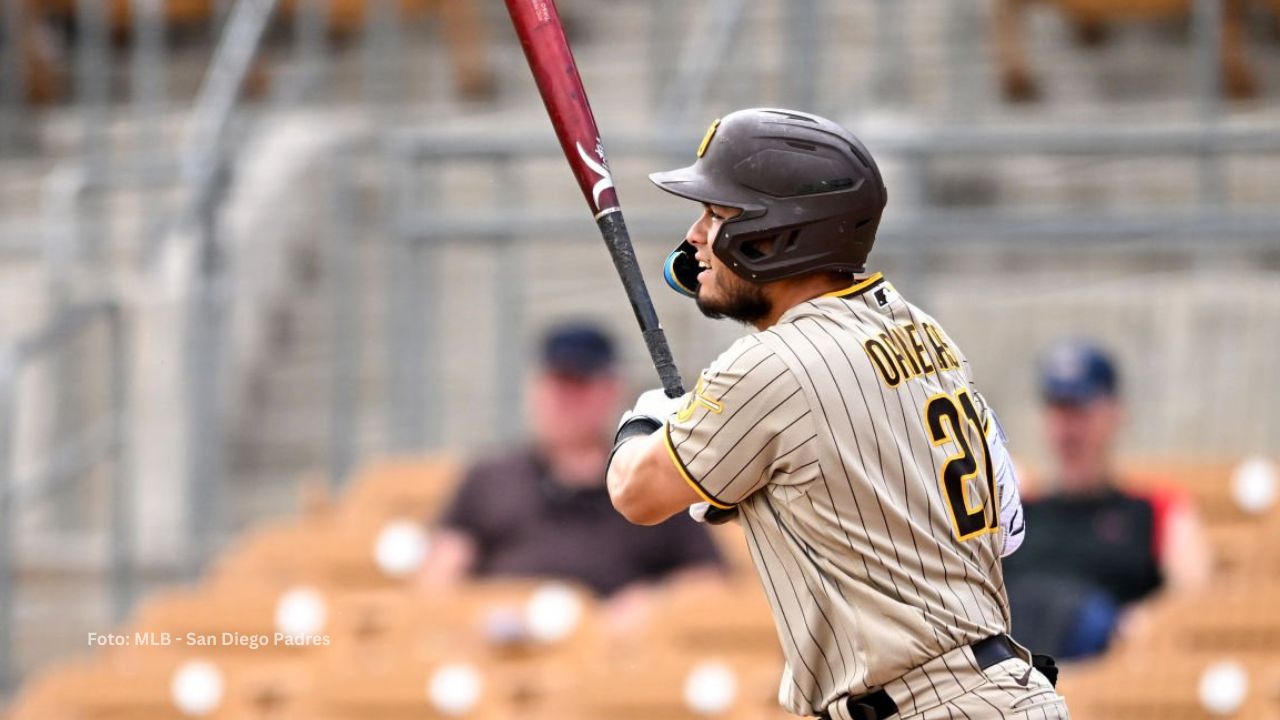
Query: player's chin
(710, 300)
(743, 302)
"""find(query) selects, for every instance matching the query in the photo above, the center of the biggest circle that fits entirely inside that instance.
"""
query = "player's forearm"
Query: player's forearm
(644, 484)
(636, 481)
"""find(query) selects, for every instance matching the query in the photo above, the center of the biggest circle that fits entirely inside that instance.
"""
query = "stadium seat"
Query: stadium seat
(1165, 686)
(273, 555)
(490, 614)
(425, 683)
(327, 550)
(669, 683)
(49, 696)
(538, 650)
(1245, 550)
(492, 622)
(244, 620)
(1207, 482)
(708, 616)
(402, 487)
(140, 684)
(1239, 619)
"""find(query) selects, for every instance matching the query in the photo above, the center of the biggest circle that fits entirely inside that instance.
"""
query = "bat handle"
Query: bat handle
(660, 353)
(614, 230)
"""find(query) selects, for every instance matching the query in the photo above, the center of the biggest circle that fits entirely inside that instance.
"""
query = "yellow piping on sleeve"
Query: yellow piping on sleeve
(671, 450)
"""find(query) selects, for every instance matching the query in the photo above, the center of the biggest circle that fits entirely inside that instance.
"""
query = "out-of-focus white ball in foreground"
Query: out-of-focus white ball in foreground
(401, 548)
(455, 689)
(301, 612)
(196, 688)
(553, 613)
(710, 688)
(1253, 485)
(1223, 688)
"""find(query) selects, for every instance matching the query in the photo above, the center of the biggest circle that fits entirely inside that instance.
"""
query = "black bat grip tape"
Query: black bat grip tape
(660, 352)
(614, 230)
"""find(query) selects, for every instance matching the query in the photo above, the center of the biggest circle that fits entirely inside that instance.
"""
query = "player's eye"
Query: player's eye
(713, 214)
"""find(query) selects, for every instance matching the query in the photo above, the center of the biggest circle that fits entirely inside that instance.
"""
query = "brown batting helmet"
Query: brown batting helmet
(810, 194)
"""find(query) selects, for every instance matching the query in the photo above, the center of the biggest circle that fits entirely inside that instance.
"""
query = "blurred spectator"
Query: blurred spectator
(543, 509)
(1095, 553)
(1090, 20)
(46, 37)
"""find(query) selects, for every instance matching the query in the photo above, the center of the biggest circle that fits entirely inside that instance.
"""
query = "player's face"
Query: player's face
(570, 411)
(1081, 438)
(721, 292)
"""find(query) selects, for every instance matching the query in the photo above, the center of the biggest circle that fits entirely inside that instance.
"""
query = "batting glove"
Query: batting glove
(652, 409)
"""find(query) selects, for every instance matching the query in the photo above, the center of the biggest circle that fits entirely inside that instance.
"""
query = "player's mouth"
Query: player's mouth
(706, 270)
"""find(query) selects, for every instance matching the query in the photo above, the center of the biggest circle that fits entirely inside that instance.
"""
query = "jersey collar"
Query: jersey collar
(858, 287)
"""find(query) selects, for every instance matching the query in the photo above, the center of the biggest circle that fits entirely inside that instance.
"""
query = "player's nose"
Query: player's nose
(697, 234)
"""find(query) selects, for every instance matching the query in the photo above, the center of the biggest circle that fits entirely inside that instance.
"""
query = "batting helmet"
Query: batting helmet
(803, 182)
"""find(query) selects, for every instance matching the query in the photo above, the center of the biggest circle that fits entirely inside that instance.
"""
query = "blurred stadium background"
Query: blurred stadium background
(257, 254)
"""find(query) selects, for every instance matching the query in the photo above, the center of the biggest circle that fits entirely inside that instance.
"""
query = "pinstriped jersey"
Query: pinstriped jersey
(851, 439)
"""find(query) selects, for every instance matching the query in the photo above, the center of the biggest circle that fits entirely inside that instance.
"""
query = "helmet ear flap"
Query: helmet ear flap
(681, 270)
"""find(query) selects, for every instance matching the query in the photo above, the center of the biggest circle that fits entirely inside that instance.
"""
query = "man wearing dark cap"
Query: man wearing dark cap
(542, 510)
(1098, 552)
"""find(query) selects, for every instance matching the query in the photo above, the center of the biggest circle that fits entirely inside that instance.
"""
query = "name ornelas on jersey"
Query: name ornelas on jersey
(909, 351)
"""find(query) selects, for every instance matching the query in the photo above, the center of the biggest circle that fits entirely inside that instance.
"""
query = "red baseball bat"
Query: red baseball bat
(542, 36)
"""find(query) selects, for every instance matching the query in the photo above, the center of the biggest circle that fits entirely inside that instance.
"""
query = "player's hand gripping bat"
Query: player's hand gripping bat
(537, 23)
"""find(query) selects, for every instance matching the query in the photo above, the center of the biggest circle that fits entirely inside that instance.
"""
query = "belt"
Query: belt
(878, 705)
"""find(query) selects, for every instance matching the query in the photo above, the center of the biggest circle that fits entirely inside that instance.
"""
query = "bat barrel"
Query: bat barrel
(555, 71)
(537, 23)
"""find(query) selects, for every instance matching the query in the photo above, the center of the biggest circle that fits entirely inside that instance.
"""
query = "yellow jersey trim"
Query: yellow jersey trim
(857, 287)
(684, 472)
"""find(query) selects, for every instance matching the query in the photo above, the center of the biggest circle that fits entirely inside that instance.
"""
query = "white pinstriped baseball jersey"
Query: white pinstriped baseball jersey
(851, 439)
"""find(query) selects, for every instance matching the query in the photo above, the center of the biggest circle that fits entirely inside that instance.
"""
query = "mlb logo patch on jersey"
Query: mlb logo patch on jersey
(884, 294)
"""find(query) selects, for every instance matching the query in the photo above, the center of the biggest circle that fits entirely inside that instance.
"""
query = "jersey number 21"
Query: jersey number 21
(947, 416)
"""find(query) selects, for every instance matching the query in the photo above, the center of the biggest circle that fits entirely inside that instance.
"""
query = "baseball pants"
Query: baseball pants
(955, 687)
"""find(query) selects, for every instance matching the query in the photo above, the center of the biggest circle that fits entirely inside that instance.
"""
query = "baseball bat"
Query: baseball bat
(537, 23)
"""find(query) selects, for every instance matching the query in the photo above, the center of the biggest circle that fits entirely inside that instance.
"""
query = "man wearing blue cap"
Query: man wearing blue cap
(1098, 551)
(542, 509)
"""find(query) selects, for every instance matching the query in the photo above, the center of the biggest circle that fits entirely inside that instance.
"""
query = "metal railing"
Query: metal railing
(109, 441)
(75, 229)
(205, 164)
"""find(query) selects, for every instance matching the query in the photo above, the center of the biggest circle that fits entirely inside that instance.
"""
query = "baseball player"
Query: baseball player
(845, 435)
